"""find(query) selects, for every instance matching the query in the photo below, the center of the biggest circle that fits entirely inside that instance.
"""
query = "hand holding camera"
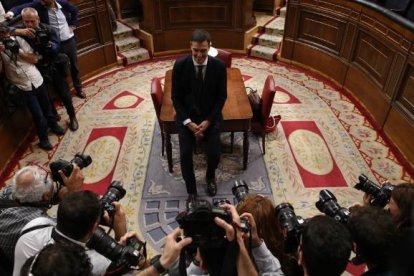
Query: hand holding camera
(256, 241)
(26, 32)
(172, 248)
(118, 220)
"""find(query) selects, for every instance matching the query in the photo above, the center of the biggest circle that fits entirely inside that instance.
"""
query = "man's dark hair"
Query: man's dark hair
(403, 195)
(77, 213)
(374, 233)
(62, 259)
(326, 246)
(200, 36)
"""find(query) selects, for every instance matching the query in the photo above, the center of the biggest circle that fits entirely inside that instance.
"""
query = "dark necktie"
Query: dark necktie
(200, 73)
(199, 90)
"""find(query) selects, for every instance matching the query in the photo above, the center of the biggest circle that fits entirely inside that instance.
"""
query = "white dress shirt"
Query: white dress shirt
(21, 73)
(58, 22)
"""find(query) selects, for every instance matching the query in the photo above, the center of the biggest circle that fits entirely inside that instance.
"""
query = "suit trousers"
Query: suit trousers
(213, 150)
(61, 88)
(39, 106)
(68, 47)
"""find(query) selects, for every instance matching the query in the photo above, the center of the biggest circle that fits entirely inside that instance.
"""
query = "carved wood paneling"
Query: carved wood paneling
(171, 22)
(374, 57)
(198, 15)
(367, 52)
(406, 96)
(321, 30)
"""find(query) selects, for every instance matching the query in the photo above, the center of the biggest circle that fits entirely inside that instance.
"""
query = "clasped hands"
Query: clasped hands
(199, 130)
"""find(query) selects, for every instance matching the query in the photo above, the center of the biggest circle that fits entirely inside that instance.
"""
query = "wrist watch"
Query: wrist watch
(155, 262)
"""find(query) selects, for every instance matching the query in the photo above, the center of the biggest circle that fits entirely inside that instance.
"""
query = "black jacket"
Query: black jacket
(184, 86)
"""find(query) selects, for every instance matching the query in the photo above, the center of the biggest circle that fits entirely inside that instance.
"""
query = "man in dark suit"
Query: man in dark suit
(62, 16)
(199, 91)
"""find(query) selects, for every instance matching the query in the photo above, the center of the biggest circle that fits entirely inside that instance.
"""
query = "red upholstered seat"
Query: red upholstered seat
(268, 94)
(156, 95)
(224, 56)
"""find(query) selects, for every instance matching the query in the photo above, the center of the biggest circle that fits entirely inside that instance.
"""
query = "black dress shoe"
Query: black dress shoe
(81, 94)
(211, 186)
(73, 124)
(45, 145)
(189, 204)
(57, 130)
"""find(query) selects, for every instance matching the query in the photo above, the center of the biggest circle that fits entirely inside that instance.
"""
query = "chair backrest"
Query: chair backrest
(156, 95)
(268, 94)
(224, 56)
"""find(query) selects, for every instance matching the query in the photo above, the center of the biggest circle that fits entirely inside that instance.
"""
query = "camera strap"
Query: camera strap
(24, 232)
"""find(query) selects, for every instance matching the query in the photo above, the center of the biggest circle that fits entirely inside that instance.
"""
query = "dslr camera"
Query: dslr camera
(115, 192)
(12, 45)
(123, 257)
(240, 190)
(198, 223)
(328, 205)
(381, 195)
(42, 38)
(82, 160)
(291, 226)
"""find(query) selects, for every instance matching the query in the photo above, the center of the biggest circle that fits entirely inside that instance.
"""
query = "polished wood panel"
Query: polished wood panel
(374, 57)
(406, 97)
(264, 5)
(365, 49)
(171, 22)
(322, 31)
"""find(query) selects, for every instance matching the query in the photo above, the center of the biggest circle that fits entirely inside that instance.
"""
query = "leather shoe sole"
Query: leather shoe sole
(73, 124)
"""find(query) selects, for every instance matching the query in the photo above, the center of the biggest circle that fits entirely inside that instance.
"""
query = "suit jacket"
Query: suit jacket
(184, 87)
(70, 11)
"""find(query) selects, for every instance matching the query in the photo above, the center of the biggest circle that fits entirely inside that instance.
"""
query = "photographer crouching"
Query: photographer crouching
(29, 196)
(52, 65)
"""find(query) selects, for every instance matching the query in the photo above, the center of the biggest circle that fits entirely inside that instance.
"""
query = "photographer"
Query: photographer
(78, 217)
(260, 213)
(374, 234)
(52, 65)
(58, 259)
(19, 64)
(28, 197)
(325, 247)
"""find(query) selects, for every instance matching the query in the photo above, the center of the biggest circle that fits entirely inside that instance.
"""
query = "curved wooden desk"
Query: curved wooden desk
(365, 49)
(236, 112)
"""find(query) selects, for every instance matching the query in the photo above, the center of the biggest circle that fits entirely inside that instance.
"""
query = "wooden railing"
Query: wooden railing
(367, 50)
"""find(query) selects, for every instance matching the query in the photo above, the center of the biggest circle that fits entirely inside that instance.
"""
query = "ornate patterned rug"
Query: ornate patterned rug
(323, 141)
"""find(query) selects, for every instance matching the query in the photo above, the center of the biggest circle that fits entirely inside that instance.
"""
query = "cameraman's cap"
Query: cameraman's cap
(4, 28)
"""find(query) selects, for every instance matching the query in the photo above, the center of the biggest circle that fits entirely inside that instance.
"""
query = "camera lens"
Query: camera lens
(240, 190)
(367, 186)
(82, 160)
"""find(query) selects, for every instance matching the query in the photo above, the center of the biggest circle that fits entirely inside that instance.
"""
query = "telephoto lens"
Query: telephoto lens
(381, 194)
(328, 205)
(240, 190)
(290, 225)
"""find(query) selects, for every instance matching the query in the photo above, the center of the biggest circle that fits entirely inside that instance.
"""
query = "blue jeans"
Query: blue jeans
(39, 106)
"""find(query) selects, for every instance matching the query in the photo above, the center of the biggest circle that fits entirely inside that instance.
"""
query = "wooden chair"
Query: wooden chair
(268, 94)
(156, 95)
(224, 56)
